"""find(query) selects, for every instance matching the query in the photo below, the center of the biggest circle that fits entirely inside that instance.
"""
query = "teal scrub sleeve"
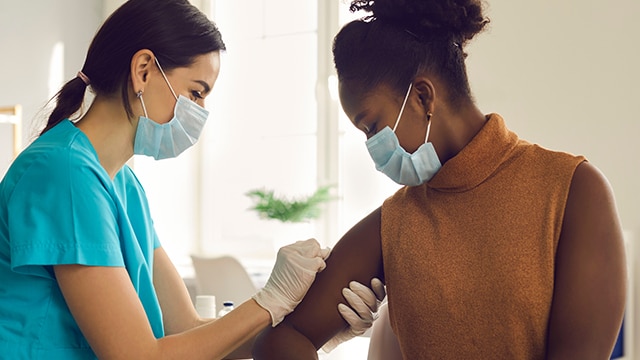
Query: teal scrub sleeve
(63, 211)
(156, 241)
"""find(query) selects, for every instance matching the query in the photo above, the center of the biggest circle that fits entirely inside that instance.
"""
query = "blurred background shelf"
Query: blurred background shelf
(10, 132)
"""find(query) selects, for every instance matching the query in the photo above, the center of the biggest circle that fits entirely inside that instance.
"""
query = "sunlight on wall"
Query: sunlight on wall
(56, 68)
(262, 130)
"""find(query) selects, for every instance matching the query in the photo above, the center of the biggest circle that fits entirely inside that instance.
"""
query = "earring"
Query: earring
(144, 108)
(426, 137)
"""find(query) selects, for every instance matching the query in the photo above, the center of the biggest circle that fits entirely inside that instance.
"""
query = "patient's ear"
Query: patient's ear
(426, 93)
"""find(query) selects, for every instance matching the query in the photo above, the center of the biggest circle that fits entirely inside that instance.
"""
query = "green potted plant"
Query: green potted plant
(292, 215)
(289, 210)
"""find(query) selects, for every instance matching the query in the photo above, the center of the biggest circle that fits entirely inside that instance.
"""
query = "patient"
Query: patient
(496, 248)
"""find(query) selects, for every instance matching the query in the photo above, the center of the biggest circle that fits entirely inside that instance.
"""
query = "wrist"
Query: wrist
(263, 300)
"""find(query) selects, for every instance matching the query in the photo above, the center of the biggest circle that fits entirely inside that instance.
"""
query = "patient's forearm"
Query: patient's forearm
(283, 343)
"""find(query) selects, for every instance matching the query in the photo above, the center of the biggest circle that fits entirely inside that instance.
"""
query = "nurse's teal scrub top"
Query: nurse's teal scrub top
(59, 206)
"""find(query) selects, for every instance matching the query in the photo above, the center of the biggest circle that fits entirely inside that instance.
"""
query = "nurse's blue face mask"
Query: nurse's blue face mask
(395, 162)
(169, 140)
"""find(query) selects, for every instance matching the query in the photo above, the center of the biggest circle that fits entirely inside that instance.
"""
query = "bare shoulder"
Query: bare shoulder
(590, 184)
(591, 211)
(590, 271)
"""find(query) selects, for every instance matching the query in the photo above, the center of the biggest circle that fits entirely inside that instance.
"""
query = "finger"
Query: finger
(324, 253)
(365, 294)
(357, 303)
(321, 264)
(378, 288)
(314, 264)
(309, 247)
(357, 325)
(348, 314)
(299, 250)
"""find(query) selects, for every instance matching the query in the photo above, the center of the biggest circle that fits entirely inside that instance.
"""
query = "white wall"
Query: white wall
(565, 74)
(29, 32)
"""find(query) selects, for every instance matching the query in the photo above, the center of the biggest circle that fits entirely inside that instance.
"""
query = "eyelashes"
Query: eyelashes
(197, 94)
(369, 130)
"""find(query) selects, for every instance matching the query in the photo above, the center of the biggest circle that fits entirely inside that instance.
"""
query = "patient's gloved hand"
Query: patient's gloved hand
(360, 316)
(292, 275)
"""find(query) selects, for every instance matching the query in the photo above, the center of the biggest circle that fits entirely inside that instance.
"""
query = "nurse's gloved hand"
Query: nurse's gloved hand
(292, 275)
(361, 314)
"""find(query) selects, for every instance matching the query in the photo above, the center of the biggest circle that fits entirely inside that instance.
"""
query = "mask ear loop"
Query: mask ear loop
(402, 108)
(144, 108)
(165, 78)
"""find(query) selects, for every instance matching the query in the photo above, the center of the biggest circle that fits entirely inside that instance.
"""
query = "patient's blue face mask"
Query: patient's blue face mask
(395, 162)
(169, 140)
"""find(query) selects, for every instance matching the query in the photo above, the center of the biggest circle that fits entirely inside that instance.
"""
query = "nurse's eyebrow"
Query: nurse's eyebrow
(206, 86)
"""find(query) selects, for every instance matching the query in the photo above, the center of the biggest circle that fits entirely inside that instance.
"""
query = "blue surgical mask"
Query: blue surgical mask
(169, 140)
(395, 162)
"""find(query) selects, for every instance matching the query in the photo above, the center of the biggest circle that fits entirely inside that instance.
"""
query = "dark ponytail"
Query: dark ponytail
(401, 38)
(68, 101)
(174, 30)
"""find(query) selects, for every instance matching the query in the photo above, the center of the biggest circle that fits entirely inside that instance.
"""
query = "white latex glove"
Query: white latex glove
(361, 314)
(292, 275)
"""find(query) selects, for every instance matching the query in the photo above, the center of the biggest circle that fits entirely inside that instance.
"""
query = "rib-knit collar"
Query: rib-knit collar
(478, 159)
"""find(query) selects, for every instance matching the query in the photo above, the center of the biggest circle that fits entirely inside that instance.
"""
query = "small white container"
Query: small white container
(206, 306)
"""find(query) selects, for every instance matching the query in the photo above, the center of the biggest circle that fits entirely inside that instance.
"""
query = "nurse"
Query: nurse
(82, 272)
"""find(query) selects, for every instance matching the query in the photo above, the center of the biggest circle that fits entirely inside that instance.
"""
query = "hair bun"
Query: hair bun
(458, 19)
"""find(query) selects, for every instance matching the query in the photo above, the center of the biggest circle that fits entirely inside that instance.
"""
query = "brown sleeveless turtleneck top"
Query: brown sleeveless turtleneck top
(469, 256)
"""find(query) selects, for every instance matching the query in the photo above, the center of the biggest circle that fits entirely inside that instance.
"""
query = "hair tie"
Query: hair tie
(84, 78)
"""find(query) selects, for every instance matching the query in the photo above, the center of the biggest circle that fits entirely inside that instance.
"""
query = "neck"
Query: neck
(453, 129)
(110, 131)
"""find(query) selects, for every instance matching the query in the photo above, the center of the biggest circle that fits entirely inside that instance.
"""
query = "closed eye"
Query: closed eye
(370, 131)
(197, 94)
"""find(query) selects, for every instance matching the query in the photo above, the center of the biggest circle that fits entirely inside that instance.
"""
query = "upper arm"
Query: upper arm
(178, 313)
(357, 256)
(590, 272)
(107, 309)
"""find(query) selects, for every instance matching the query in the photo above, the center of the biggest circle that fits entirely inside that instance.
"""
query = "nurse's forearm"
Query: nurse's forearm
(109, 313)
(219, 338)
(283, 343)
